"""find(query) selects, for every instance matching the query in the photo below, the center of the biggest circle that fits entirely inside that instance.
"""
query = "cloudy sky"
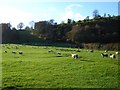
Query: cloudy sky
(16, 11)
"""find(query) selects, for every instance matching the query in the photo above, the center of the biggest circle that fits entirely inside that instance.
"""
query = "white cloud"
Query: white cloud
(78, 16)
(51, 9)
(71, 14)
(14, 16)
(72, 6)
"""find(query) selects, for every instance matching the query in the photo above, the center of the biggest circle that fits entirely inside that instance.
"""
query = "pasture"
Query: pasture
(38, 68)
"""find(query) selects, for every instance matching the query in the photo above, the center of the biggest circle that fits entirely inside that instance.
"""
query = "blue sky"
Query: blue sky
(15, 11)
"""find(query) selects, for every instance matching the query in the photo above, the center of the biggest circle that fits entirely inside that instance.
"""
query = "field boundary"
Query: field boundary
(0, 58)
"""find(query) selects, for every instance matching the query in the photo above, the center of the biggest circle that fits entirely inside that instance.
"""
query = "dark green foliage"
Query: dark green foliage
(102, 30)
(98, 30)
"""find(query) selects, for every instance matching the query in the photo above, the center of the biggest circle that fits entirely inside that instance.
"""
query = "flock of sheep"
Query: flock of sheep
(112, 56)
(13, 52)
(74, 55)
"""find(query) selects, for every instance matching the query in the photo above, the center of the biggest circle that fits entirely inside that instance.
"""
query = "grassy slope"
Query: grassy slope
(37, 68)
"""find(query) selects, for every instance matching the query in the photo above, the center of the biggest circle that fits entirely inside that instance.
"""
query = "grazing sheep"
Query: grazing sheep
(5, 51)
(50, 50)
(78, 50)
(112, 56)
(20, 52)
(90, 50)
(13, 52)
(104, 55)
(117, 52)
(106, 50)
(74, 56)
(59, 53)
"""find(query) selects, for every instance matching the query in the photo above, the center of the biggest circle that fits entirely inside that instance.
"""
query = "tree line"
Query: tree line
(101, 29)
(96, 30)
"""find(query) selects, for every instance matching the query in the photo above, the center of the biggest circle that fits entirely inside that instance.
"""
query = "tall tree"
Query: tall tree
(14, 29)
(109, 15)
(104, 15)
(51, 21)
(69, 20)
(95, 14)
(27, 28)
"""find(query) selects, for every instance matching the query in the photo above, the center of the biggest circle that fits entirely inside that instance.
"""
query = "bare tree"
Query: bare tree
(20, 25)
(69, 20)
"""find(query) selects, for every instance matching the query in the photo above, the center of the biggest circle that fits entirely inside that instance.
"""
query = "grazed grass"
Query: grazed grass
(37, 68)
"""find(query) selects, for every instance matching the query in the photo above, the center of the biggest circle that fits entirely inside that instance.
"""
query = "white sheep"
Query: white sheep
(117, 52)
(104, 55)
(106, 50)
(74, 56)
(90, 50)
(112, 56)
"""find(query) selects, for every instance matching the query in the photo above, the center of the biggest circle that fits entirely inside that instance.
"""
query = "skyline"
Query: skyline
(20, 11)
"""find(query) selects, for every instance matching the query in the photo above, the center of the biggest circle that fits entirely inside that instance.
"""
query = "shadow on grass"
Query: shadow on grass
(58, 56)
(10, 88)
(15, 88)
(87, 61)
(40, 42)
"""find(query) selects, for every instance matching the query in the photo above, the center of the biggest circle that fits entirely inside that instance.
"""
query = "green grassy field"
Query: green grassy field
(38, 68)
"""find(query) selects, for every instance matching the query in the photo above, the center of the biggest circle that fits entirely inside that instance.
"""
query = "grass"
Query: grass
(37, 68)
